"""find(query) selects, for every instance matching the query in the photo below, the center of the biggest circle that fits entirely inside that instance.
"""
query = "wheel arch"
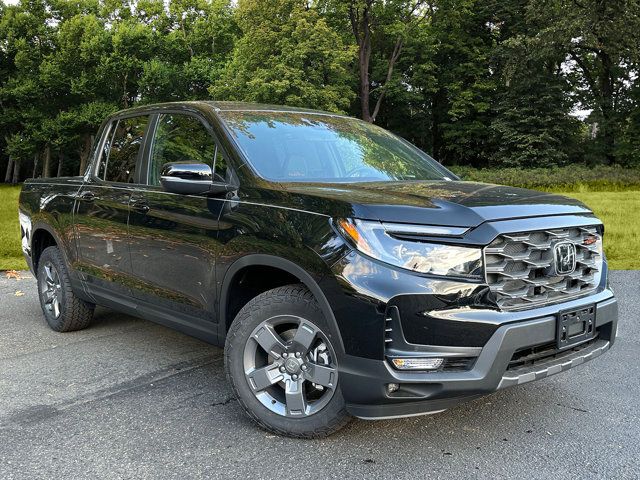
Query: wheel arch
(44, 236)
(286, 266)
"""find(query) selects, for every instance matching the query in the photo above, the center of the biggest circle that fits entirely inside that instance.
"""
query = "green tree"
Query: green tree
(25, 39)
(289, 55)
(195, 41)
(442, 96)
(628, 149)
(602, 42)
(69, 64)
(380, 30)
(531, 125)
(84, 96)
(465, 83)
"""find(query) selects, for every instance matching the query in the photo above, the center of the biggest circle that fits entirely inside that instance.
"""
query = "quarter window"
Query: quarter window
(221, 171)
(180, 138)
(122, 150)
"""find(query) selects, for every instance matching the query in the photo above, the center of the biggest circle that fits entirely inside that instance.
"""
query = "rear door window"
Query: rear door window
(123, 150)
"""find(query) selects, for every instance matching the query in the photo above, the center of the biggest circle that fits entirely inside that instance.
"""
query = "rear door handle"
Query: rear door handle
(140, 207)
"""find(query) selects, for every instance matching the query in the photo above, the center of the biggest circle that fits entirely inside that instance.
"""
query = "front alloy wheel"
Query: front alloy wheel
(290, 366)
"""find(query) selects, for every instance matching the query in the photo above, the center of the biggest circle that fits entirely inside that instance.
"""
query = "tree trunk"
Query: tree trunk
(16, 173)
(60, 163)
(361, 23)
(361, 27)
(392, 62)
(7, 176)
(439, 108)
(85, 150)
(607, 129)
(46, 167)
(364, 58)
(36, 156)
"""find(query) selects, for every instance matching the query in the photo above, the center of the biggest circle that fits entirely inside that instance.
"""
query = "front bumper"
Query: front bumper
(364, 381)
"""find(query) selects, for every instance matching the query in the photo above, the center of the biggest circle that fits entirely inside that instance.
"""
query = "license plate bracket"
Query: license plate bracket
(575, 326)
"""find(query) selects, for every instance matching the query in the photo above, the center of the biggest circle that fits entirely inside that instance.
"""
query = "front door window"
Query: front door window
(180, 138)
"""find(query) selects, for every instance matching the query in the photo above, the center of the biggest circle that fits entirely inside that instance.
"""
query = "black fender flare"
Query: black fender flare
(288, 266)
(37, 226)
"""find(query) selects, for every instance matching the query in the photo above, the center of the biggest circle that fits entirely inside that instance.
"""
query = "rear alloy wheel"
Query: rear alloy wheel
(282, 364)
(51, 290)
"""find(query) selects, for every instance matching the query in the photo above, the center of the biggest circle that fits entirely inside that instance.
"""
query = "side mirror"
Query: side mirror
(191, 178)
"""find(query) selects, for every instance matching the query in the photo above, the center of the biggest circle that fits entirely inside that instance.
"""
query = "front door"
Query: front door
(102, 208)
(173, 237)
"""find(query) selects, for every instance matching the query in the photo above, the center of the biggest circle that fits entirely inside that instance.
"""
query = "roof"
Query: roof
(227, 107)
(252, 107)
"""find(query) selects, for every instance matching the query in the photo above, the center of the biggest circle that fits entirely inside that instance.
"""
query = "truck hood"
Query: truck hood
(455, 203)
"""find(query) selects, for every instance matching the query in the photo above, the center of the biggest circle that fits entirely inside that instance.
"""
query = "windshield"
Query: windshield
(307, 147)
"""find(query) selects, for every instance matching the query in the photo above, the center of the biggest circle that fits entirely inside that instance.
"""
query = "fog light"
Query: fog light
(392, 387)
(417, 363)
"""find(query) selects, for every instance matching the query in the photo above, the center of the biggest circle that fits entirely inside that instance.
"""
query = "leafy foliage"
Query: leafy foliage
(572, 178)
(486, 83)
(287, 55)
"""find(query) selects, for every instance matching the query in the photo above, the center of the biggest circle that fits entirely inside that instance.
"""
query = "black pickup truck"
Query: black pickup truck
(345, 272)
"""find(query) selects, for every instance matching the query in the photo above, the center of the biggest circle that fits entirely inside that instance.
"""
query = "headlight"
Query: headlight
(385, 242)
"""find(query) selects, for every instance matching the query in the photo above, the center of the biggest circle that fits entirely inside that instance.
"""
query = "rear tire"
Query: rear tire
(63, 310)
(282, 366)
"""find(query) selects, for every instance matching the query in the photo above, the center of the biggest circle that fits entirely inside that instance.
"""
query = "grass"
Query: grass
(620, 213)
(619, 210)
(10, 248)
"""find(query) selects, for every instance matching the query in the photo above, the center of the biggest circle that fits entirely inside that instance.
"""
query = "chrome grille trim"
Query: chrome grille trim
(520, 271)
(388, 330)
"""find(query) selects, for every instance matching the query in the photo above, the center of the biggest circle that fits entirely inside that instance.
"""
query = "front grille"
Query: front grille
(534, 355)
(520, 270)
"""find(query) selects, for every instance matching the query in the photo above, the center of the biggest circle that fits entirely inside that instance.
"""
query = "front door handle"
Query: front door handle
(87, 196)
(140, 207)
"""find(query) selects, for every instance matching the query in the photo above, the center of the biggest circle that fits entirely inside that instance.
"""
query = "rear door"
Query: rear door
(173, 237)
(102, 207)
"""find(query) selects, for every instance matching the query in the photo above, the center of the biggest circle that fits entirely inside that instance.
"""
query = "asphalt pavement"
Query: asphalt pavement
(130, 399)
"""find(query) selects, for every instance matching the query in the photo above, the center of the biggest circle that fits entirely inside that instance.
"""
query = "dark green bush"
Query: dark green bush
(574, 178)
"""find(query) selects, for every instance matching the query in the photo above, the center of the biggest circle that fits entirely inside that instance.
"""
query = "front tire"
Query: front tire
(282, 365)
(63, 310)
